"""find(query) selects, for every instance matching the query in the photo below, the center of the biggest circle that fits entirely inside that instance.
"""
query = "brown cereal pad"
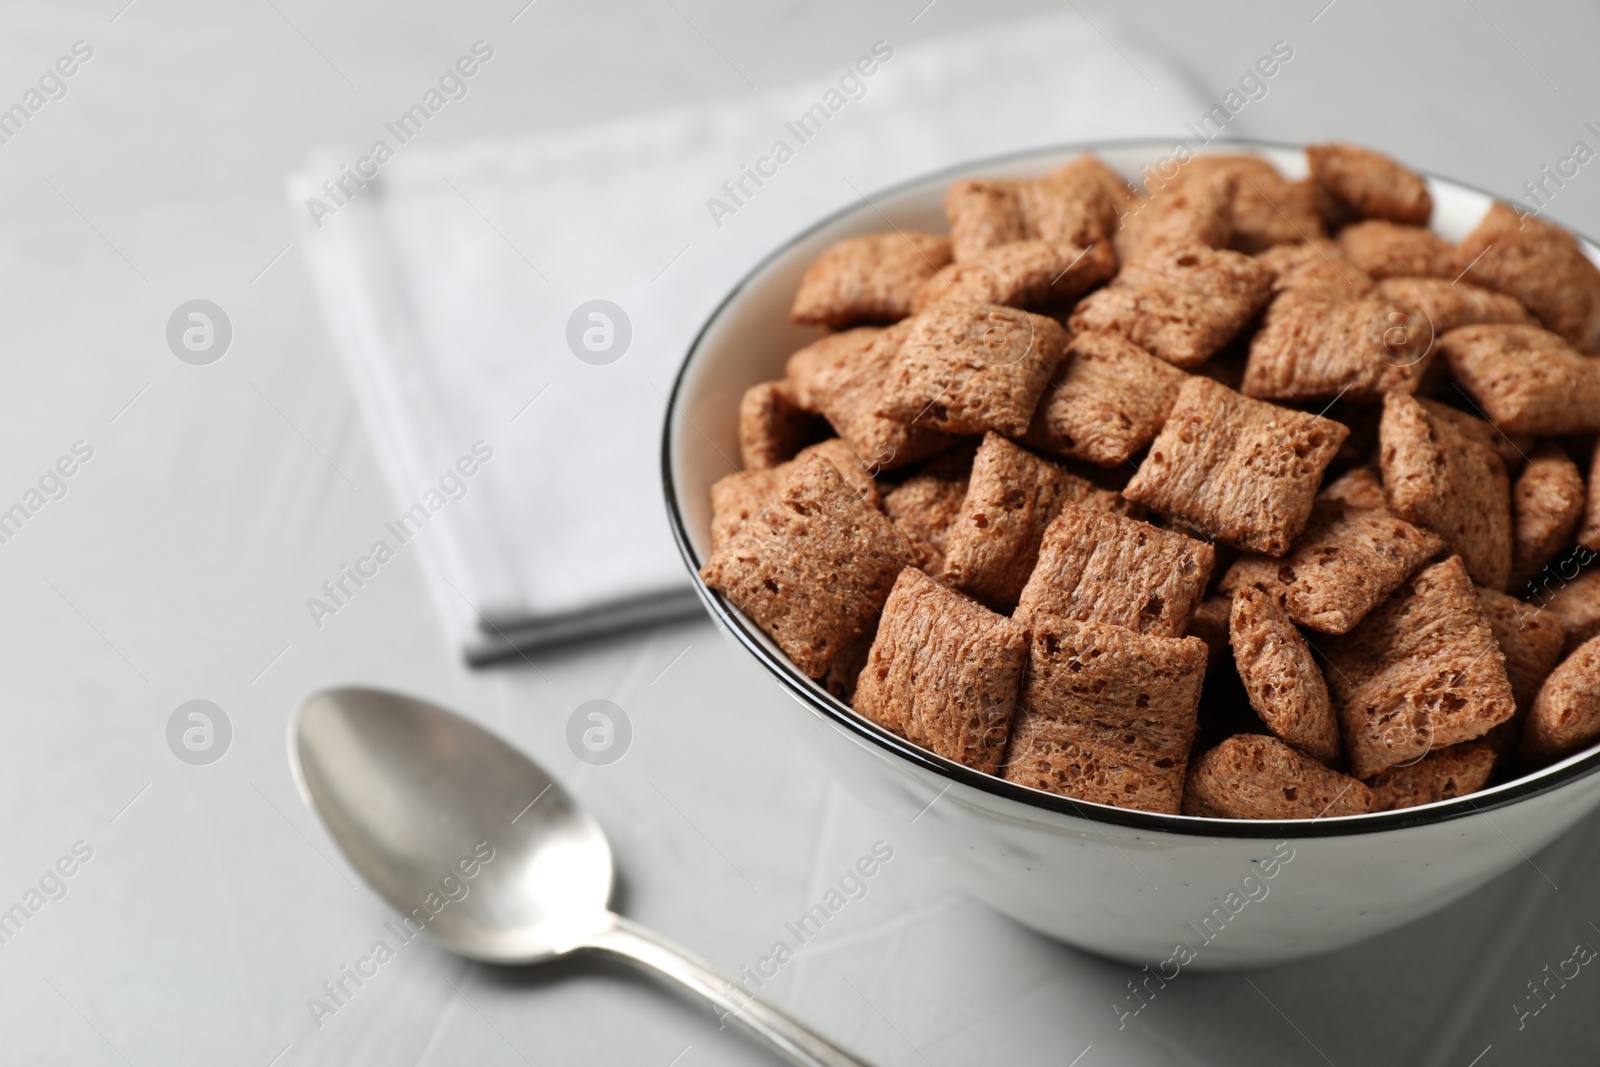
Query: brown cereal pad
(843, 673)
(926, 505)
(1532, 639)
(1253, 776)
(1022, 274)
(1357, 487)
(1449, 305)
(1526, 379)
(773, 428)
(1546, 506)
(1512, 449)
(1092, 168)
(1389, 250)
(1421, 672)
(1320, 350)
(1440, 478)
(1011, 499)
(1107, 715)
(813, 567)
(1210, 624)
(1179, 303)
(1346, 562)
(1589, 532)
(1565, 717)
(968, 368)
(737, 497)
(1239, 469)
(1574, 599)
(1266, 208)
(1316, 269)
(1107, 401)
(1282, 679)
(1182, 213)
(1541, 265)
(844, 377)
(944, 672)
(868, 279)
(1443, 775)
(1096, 566)
(1076, 204)
(1358, 183)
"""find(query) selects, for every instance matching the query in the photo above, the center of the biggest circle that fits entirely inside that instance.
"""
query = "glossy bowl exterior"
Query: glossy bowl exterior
(1171, 891)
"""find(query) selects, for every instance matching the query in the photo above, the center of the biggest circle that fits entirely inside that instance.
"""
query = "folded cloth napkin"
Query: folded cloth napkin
(512, 311)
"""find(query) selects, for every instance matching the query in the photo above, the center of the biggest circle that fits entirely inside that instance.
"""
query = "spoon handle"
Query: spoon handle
(793, 1039)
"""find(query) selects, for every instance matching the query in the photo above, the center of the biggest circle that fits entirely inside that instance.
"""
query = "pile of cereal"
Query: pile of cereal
(1242, 497)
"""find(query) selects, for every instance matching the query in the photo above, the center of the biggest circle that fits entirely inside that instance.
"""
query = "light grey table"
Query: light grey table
(212, 908)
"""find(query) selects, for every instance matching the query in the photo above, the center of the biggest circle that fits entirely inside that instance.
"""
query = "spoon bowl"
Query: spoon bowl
(457, 830)
(479, 848)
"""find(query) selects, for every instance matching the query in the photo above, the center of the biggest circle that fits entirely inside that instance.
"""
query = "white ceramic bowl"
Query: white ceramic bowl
(1167, 890)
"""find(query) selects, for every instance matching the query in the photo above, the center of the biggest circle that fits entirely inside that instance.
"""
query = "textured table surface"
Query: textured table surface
(212, 906)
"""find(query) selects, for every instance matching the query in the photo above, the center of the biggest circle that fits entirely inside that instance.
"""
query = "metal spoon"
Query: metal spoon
(476, 844)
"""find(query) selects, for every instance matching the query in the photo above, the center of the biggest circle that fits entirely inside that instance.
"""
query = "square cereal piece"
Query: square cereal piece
(737, 497)
(1443, 775)
(926, 505)
(1317, 350)
(983, 214)
(844, 377)
(847, 461)
(1546, 506)
(1345, 563)
(842, 674)
(1512, 449)
(773, 428)
(1181, 304)
(968, 368)
(1107, 715)
(1315, 268)
(1092, 169)
(1543, 266)
(1282, 679)
(1358, 183)
(867, 279)
(1422, 672)
(1011, 499)
(1589, 532)
(1210, 624)
(1452, 304)
(1438, 477)
(1527, 380)
(1239, 469)
(1106, 402)
(1389, 250)
(1575, 601)
(813, 567)
(1074, 204)
(944, 672)
(1095, 566)
(1022, 274)
(1266, 208)
(1565, 717)
(1357, 487)
(1078, 203)
(1182, 213)
(1253, 776)
(1532, 639)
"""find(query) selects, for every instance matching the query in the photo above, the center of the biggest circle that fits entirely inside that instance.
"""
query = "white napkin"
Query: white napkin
(449, 280)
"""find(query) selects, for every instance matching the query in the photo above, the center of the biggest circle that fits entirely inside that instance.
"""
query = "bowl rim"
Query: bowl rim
(840, 714)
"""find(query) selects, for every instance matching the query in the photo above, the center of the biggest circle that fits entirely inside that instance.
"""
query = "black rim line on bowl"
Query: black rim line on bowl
(821, 701)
